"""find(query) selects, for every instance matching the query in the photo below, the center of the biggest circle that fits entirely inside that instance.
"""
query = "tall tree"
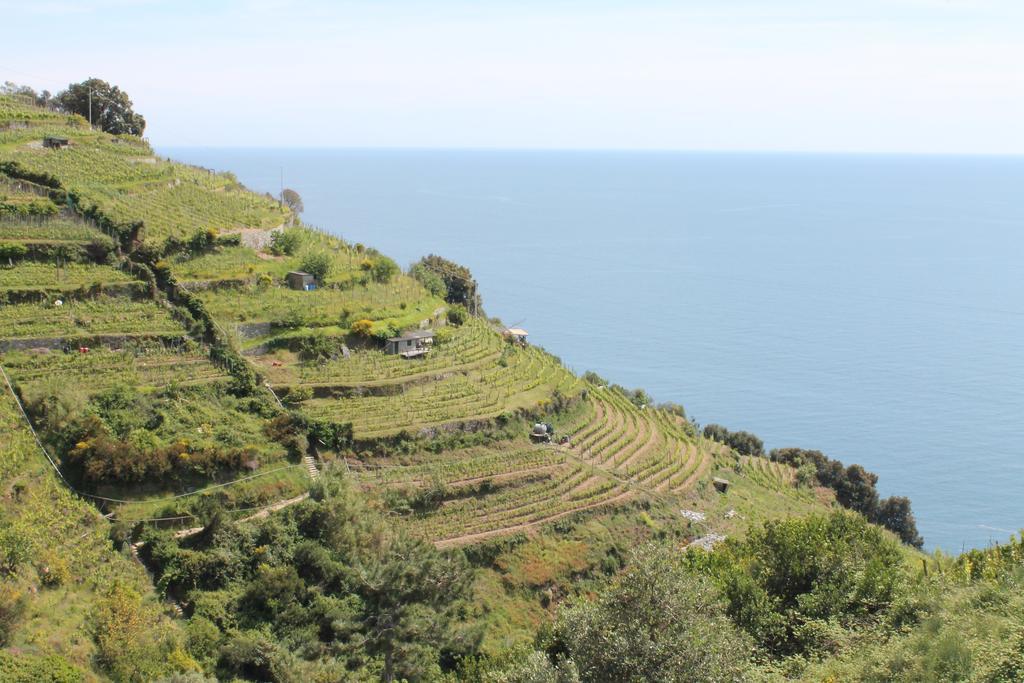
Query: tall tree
(103, 104)
(411, 593)
(292, 200)
(459, 285)
(894, 514)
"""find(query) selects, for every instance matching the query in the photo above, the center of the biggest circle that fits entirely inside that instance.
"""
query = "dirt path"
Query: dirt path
(265, 512)
(501, 476)
(466, 539)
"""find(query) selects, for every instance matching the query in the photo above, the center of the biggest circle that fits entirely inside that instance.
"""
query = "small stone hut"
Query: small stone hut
(301, 281)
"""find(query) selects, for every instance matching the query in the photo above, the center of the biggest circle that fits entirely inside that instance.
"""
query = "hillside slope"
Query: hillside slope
(177, 381)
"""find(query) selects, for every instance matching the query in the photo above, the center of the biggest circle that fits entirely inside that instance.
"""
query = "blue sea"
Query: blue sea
(871, 307)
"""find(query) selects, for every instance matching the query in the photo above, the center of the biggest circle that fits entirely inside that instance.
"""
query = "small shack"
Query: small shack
(721, 485)
(301, 281)
(517, 335)
(55, 143)
(410, 344)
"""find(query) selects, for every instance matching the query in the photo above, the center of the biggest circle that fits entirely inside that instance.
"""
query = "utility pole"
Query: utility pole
(280, 196)
(90, 107)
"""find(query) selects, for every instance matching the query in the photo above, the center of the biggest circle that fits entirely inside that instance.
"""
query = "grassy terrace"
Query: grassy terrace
(243, 285)
(532, 499)
(103, 315)
(34, 275)
(58, 229)
(129, 183)
(471, 464)
(241, 262)
(14, 110)
(474, 344)
(491, 490)
(521, 379)
(646, 447)
(231, 263)
(146, 364)
(180, 436)
(616, 453)
(16, 200)
(401, 299)
(239, 495)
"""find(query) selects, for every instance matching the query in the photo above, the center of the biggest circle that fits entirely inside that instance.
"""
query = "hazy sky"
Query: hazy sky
(860, 75)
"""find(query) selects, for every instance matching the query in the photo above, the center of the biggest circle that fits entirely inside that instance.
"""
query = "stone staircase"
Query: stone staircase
(311, 467)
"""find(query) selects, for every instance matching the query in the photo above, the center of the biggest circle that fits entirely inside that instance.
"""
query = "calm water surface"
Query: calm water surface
(870, 307)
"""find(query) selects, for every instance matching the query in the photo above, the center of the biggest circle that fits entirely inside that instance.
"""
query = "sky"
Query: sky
(919, 76)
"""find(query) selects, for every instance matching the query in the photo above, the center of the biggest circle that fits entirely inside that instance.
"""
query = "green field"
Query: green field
(474, 344)
(402, 299)
(524, 379)
(122, 176)
(58, 229)
(100, 316)
(145, 364)
(32, 275)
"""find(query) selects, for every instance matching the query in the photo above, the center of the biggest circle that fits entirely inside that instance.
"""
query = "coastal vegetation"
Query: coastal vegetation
(210, 472)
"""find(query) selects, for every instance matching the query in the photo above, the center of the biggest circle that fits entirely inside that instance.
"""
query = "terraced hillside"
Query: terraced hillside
(59, 570)
(616, 453)
(131, 291)
(154, 343)
(123, 179)
(129, 401)
(649, 448)
(471, 346)
(525, 378)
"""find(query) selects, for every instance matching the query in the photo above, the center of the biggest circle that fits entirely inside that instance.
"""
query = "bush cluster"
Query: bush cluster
(856, 490)
(325, 586)
(448, 279)
(791, 581)
(744, 443)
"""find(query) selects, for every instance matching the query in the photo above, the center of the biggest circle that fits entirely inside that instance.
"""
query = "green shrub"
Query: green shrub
(383, 269)
(15, 547)
(459, 285)
(286, 242)
(27, 668)
(855, 489)
(297, 395)
(656, 622)
(742, 442)
(12, 251)
(12, 606)
(318, 264)
(457, 314)
(362, 328)
(318, 347)
(789, 573)
(430, 280)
